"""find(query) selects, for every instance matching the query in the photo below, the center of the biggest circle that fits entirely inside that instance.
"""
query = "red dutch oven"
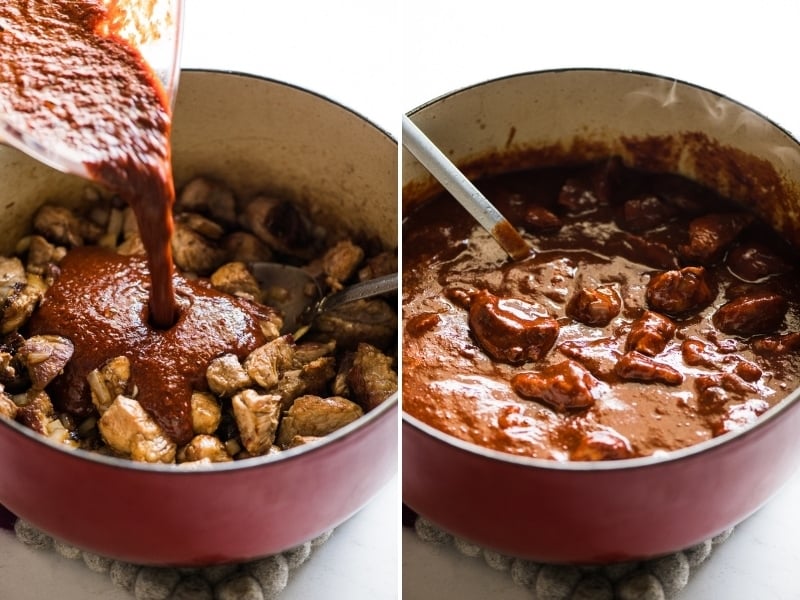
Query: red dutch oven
(577, 512)
(257, 135)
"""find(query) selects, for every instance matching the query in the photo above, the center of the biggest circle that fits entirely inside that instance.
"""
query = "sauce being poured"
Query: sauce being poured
(106, 315)
(70, 80)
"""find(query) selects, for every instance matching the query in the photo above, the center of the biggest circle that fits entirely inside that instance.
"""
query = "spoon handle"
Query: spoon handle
(462, 189)
(365, 289)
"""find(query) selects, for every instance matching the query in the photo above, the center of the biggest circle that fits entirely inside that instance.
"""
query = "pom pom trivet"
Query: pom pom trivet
(660, 578)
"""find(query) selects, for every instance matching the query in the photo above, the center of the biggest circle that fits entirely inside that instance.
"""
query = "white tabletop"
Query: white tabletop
(328, 48)
(749, 55)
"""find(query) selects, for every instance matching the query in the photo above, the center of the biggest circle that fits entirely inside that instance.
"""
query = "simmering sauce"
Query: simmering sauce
(652, 315)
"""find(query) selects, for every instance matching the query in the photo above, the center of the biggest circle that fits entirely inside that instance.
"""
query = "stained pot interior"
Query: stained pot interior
(257, 135)
(545, 118)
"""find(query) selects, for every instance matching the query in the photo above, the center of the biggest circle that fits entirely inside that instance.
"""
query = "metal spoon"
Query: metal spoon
(298, 296)
(462, 189)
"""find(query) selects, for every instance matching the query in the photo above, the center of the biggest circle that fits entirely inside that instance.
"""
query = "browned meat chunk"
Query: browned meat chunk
(372, 321)
(648, 252)
(109, 381)
(59, 225)
(203, 448)
(45, 357)
(747, 370)
(257, 417)
(371, 379)
(242, 246)
(340, 262)
(754, 262)
(312, 416)
(226, 375)
(265, 364)
(713, 391)
(235, 279)
(598, 356)
(281, 225)
(640, 367)
(646, 212)
(509, 329)
(42, 255)
(776, 345)
(602, 444)
(698, 354)
(8, 407)
(650, 333)
(36, 411)
(130, 431)
(206, 413)
(750, 314)
(596, 307)
(311, 378)
(384, 263)
(578, 197)
(679, 291)
(193, 249)
(539, 219)
(20, 303)
(710, 235)
(209, 198)
(562, 386)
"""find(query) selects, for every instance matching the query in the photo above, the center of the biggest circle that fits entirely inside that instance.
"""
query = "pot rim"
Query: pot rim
(611, 70)
(294, 86)
(247, 463)
(627, 463)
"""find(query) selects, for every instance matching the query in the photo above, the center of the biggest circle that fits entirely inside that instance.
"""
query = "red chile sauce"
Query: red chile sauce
(653, 315)
(67, 76)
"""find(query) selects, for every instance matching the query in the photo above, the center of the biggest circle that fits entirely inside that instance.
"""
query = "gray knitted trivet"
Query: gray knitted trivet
(262, 579)
(656, 579)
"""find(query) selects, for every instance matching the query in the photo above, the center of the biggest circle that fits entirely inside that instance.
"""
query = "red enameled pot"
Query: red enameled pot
(613, 510)
(255, 134)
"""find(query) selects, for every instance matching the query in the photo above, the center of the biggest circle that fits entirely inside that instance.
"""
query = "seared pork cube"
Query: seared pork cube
(562, 386)
(646, 212)
(193, 250)
(20, 303)
(45, 356)
(315, 416)
(130, 431)
(281, 225)
(650, 333)
(602, 444)
(312, 378)
(257, 417)
(680, 291)
(754, 262)
(206, 413)
(636, 366)
(509, 329)
(226, 375)
(710, 235)
(371, 379)
(265, 364)
(380, 264)
(235, 279)
(59, 225)
(538, 219)
(370, 320)
(759, 312)
(243, 246)
(41, 254)
(8, 407)
(36, 410)
(109, 381)
(203, 448)
(209, 198)
(595, 306)
(340, 263)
